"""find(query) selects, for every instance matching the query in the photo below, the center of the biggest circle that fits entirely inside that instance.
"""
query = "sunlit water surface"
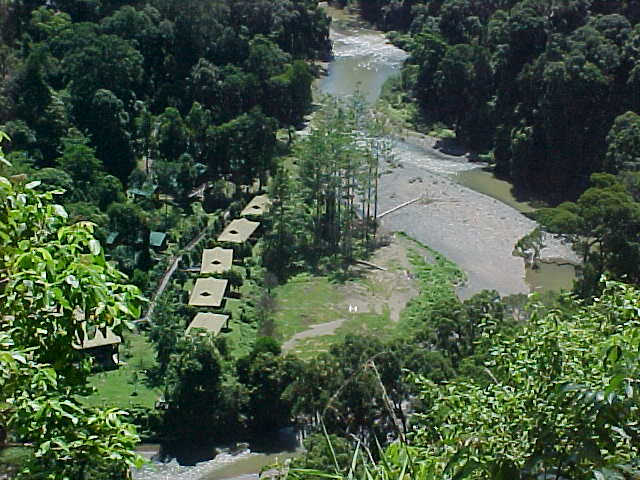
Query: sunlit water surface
(363, 61)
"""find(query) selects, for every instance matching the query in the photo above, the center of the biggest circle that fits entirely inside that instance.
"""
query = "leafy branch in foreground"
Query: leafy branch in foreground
(561, 401)
(55, 288)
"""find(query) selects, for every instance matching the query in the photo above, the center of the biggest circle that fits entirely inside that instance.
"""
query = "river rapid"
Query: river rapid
(465, 214)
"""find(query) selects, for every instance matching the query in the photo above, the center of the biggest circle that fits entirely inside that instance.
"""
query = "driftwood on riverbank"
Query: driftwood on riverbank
(399, 207)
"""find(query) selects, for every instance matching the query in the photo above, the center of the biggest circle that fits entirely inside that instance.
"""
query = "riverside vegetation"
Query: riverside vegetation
(486, 388)
(528, 85)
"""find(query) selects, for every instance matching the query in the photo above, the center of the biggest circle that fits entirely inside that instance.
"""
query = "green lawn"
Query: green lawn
(12, 458)
(241, 336)
(126, 387)
(358, 324)
(308, 300)
(303, 301)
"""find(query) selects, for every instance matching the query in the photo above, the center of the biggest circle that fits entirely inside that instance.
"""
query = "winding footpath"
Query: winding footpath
(173, 266)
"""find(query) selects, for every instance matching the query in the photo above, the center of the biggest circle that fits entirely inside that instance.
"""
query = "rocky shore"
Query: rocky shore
(473, 230)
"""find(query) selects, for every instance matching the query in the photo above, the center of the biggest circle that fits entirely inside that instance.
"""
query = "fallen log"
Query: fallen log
(399, 207)
(372, 265)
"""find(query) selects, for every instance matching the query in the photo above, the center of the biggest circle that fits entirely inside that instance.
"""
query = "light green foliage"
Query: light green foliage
(71, 441)
(529, 247)
(437, 276)
(243, 147)
(292, 316)
(562, 401)
(326, 216)
(172, 134)
(603, 225)
(264, 375)
(325, 453)
(203, 397)
(623, 152)
(540, 84)
(57, 277)
(53, 278)
(127, 386)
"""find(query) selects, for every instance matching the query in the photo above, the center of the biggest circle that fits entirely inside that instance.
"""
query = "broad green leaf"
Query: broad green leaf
(60, 211)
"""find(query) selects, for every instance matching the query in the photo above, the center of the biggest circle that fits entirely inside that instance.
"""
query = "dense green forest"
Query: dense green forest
(125, 118)
(549, 88)
(100, 98)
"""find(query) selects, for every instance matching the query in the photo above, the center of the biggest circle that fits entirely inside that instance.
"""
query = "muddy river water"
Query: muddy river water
(465, 213)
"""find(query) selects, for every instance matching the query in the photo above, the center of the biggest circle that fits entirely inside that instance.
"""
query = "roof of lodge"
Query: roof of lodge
(98, 340)
(212, 322)
(208, 292)
(156, 239)
(111, 237)
(257, 206)
(144, 191)
(238, 231)
(216, 260)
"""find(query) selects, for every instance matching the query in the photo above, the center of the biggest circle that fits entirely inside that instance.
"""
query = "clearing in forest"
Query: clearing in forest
(312, 312)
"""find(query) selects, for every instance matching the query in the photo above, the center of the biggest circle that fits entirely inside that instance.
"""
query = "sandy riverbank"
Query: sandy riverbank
(475, 231)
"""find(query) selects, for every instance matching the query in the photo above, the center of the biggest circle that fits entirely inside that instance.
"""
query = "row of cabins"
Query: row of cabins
(209, 293)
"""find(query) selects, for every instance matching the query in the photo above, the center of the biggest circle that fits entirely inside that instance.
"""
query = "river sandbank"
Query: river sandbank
(473, 230)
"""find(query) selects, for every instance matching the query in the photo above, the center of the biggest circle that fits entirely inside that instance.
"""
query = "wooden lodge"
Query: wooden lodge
(208, 292)
(208, 322)
(216, 260)
(238, 231)
(104, 347)
(256, 207)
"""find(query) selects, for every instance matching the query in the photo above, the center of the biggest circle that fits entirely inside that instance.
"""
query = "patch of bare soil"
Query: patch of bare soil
(374, 290)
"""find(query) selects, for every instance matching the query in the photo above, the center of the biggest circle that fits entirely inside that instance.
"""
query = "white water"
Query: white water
(363, 61)
(173, 471)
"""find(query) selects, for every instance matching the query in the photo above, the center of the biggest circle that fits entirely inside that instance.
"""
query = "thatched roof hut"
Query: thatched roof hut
(211, 322)
(238, 231)
(257, 206)
(216, 260)
(208, 292)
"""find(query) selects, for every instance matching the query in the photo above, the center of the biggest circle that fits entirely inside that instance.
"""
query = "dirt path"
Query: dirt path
(373, 291)
(318, 330)
(173, 265)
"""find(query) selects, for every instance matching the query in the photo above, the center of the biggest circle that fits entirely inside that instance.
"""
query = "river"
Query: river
(467, 215)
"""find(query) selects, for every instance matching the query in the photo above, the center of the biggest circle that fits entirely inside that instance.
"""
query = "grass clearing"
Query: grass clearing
(304, 301)
(356, 324)
(312, 312)
(438, 277)
(366, 324)
(126, 386)
(12, 458)
(241, 336)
